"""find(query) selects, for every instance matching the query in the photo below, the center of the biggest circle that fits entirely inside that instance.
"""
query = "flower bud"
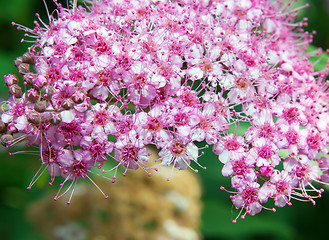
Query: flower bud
(29, 79)
(23, 68)
(266, 171)
(40, 107)
(32, 95)
(11, 128)
(78, 97)
(6, 139)
(68, 104)
(10, 79)
(3, 127)
(40, 81)
(15, 90)
(46, 92)
(34, 118)
(27, 58)
(55, 119)
(18, 61)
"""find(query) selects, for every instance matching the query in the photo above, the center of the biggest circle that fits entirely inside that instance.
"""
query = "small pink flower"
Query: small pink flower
(229, 147)
(179, 153)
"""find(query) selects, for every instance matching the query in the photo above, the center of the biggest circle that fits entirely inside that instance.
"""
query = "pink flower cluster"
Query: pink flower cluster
(104, 82)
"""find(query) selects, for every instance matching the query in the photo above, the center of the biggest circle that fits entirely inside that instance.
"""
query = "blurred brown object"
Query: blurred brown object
(138, 208)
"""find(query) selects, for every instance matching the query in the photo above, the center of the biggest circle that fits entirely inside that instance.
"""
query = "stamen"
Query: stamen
(69, 201)
(61, 186)
(234, 221)
(105, 196)
(36, 176)
(72, 182)
(171, 173)
(49, 18)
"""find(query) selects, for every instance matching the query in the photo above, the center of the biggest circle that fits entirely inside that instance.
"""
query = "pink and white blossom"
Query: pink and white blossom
(106, 81)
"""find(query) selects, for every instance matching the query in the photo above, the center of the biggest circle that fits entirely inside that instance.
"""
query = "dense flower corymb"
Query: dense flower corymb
(103, 83)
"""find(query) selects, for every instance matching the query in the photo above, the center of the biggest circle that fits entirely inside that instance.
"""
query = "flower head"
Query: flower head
(105, 82)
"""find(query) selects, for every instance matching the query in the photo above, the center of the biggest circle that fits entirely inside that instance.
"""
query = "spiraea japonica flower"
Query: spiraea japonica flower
(103, 82)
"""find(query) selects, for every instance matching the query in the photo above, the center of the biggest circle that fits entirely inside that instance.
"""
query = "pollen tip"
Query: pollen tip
(234, 221)
(106, 197)
(28, 188)
(149, 174)
(68, 203)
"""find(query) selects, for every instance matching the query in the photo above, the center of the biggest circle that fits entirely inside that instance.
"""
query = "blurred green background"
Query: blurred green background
(300, 221)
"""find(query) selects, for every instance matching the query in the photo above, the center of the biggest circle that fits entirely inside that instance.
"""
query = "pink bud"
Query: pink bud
(40, 81)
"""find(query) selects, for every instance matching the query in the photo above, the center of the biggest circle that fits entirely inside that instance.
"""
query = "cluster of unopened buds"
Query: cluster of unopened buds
(104, 82)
